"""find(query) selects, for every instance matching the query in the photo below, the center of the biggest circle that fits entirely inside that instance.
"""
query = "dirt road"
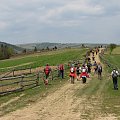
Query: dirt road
(63, 104)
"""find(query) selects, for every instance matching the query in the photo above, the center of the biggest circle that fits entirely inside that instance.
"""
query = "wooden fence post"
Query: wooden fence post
(21, 83)
(37, 80)
(30, 69)
(13, 72)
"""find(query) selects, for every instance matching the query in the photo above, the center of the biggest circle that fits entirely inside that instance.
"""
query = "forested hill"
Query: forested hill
(15, 48)
(44, 45)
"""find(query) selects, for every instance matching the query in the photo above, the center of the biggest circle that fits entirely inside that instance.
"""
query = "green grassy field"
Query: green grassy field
(60, 56)
(113, 59)
(116, 50)
(111, 102)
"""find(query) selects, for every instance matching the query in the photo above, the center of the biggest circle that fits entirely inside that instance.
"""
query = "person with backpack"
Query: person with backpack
(84, 67)
(72, 74)
(78, 71)
(89, 66)
(47, 71)
(93, 58)
(95, 67)
(84, 75)
(61, 68)
(99, 71)
(115, 75)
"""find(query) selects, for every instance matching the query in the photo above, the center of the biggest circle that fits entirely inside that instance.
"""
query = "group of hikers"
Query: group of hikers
(82, 71)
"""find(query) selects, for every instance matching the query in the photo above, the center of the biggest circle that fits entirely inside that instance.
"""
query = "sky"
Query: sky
(63, 21)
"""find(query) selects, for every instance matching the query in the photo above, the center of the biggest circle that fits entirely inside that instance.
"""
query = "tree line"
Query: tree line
(5, 52)
(44, 49)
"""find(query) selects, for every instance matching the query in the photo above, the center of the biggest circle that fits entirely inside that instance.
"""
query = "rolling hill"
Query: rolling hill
(44, 45)
(17, 49)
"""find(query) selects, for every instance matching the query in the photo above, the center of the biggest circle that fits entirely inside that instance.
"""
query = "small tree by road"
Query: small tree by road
(112, 46)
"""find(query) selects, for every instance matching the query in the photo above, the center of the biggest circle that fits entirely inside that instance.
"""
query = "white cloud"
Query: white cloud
(34, 16)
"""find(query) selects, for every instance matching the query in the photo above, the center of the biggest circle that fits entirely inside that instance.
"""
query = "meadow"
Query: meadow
(37, 60)
(111, 102)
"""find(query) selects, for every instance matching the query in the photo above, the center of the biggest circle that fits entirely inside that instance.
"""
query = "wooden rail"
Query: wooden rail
(22, 82)
(105, 61)
(18, 83)
(10, 82)
(13, 71)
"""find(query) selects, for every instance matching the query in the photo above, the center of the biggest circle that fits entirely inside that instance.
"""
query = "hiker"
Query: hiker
(84, 67)
(72, 74)
(93, 53)
(96, 51)
(115, 75)
(89, 59)
(78, 71)
(93, 58)
(47, 71)
(84, 75)
(99, 70)
(89, 67)
(61, 68)
(95, 67)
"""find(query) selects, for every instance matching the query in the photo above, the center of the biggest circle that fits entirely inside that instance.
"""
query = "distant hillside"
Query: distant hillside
(31, 46)
(47, 44)
(17, 49)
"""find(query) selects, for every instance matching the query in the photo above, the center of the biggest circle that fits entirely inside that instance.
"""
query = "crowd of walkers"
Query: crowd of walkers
(82, 71)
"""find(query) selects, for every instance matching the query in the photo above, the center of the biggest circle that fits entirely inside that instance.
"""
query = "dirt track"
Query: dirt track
(60, 105)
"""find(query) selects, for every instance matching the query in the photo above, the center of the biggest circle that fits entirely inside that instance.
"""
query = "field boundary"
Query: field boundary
(105, 61)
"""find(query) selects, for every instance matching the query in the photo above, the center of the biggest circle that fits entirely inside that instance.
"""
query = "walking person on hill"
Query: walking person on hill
(89, 66)
(47, 71)
(115, 75)
(99, 70)
(61, 68)
(84, 75)
(95, 67)
(84, 67)
(78, 71)
(93, 58)
(72, 74)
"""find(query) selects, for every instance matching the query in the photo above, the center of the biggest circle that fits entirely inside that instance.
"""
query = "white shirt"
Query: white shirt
(115, 72)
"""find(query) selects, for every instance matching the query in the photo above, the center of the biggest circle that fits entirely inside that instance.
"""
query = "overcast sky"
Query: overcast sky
(76, 21)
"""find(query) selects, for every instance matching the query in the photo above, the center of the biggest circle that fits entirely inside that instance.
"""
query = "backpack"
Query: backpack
(61, 67)
(47, 70)
(99, 68)
(78, 70)
(89, 65)
(72, 70)
(114, 74)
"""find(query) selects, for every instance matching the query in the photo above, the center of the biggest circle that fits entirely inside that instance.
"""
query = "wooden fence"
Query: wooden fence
(18, 83)
(9, 84)
(105, 61)
(14, 72)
